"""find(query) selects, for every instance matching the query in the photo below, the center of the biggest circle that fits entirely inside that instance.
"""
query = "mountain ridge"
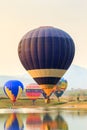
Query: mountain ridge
(75, 75)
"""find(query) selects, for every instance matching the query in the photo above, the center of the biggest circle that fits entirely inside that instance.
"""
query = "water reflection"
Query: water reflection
(61, 123)
(48, 123)
(33, 122)
(75, 113)
(13, 122)
(54, 123)
(58, 120)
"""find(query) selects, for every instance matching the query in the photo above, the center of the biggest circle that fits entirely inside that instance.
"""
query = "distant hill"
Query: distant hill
(76, 77)
(25, 79)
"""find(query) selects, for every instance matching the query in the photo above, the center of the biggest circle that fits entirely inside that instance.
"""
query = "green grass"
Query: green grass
(24, 102)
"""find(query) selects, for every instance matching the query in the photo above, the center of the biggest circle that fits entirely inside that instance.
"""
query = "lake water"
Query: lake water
(44, 120)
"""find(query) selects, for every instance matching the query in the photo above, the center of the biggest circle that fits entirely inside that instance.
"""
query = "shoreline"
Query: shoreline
(39, 109)
(41, 105)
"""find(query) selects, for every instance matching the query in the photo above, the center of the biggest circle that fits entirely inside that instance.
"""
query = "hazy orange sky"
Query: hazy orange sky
(19, 16)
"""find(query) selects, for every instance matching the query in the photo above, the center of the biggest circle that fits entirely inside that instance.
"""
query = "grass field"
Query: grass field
(26, 103)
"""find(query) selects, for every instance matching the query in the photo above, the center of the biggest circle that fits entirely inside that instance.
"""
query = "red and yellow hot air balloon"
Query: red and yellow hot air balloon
(46, 53)
(33, 92)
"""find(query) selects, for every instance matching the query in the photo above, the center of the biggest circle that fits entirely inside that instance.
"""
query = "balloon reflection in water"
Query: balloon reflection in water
(33, 92)
(48, 123)
(14, 122)
(46, 53)
(33, 122)
(61, 123)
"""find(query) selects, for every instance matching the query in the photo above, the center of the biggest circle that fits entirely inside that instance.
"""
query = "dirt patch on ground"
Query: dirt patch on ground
(74, 105)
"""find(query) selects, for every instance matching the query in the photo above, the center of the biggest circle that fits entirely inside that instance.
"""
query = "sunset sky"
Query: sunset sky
(20, 16)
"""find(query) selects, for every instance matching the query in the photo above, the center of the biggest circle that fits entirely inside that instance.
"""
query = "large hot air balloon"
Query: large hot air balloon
(46, 53)
(14, 122)
(13, 89)
(60, 88)
(33, 92)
